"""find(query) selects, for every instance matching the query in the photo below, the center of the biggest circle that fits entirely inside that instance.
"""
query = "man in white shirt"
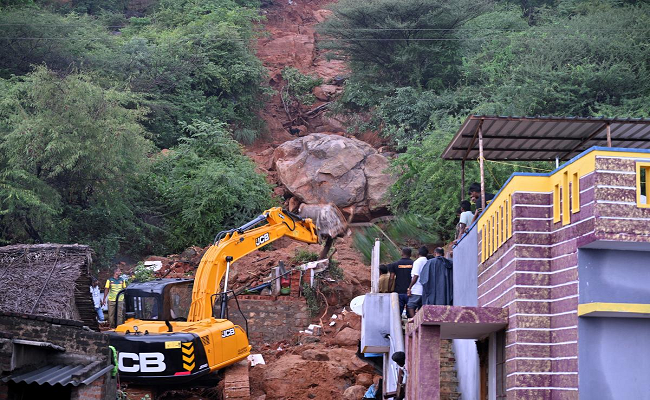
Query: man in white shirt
(97, 299)
(466, 217)
(414, 291)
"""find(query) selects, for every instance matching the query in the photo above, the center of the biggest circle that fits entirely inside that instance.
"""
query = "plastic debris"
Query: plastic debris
(256, 359)
(315, 329)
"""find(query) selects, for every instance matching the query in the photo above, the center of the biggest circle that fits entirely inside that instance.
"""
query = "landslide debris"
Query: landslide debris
(315, 367)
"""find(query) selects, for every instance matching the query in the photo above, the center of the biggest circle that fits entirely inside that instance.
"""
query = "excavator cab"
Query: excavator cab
(159, 299)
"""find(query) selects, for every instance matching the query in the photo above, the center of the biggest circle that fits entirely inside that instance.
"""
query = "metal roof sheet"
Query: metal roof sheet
(543, 138)
(57, 374)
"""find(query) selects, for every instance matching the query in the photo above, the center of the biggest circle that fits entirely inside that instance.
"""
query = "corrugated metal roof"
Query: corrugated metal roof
(543, 138)
(57, 375)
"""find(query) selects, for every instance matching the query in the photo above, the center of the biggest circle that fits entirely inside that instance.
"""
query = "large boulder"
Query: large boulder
(347, 172)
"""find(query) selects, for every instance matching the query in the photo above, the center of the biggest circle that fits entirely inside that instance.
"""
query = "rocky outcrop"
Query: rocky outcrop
(347, 172)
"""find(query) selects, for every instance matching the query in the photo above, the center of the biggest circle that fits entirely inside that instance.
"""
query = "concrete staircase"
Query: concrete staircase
(448, 378)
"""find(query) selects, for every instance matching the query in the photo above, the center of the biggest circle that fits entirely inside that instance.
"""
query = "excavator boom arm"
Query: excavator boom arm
(232, 245)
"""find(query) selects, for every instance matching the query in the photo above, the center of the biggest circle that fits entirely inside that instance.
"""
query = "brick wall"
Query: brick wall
(270, 319)
(94, 391)
(71, 335)
(66, 333)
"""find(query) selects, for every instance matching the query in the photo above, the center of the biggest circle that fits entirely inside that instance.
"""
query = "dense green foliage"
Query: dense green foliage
(299, 86)
(206, 184)
(69, 150)
(189, 59)
(568, 57)
(89, 96)
(391, 41)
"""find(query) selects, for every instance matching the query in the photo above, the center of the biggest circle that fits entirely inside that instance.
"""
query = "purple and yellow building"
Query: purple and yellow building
(552, 283)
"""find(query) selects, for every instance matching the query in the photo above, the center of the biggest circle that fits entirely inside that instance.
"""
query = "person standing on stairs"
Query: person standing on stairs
(400, 277)
(414, 291)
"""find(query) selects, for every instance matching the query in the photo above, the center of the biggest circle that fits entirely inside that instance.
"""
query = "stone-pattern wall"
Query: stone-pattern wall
(535, 275)
(618, 217)
(270, 319)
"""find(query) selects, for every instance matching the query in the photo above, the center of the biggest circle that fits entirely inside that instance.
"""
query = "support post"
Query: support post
(462, 180)
(480, 161)
(609, 136)
(374, 267)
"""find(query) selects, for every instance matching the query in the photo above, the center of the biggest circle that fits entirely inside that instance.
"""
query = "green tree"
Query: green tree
(403, 43)
(195, 60)
(205, 185)
(29, 36)
(578, 65)
(69, 153)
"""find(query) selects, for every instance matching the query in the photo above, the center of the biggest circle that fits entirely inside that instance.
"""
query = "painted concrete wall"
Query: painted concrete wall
(613, 352)
(614, 276)
(613, 358)
(465, 271)
(465, 294)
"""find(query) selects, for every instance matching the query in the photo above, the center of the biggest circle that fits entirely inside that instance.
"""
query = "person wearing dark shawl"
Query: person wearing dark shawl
(437, 280)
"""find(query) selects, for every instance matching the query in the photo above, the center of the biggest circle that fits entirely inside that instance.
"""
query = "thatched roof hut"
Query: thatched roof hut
(47, 279)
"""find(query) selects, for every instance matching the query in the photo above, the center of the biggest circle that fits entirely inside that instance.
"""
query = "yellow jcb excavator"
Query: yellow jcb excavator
(167, 339)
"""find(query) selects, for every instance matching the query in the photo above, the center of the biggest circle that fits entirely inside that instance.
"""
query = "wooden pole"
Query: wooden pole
(480, 161)
(462, 180)
(609, 136)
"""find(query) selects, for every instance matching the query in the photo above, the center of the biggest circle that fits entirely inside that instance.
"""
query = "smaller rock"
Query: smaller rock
(328, 218)
(330, 90)
(320, 94)
(279, 191)
(302, 130)
(294, 204)
(347, 337)
(355, 392)
(267, 153)
(335, 124)
(364, 380)
(316, 355)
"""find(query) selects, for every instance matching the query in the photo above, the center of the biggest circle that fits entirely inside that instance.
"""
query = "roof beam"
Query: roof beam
(585, 140)
(514, 150)
(558, 138)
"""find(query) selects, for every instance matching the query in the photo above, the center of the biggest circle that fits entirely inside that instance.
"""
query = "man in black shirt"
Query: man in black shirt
(400, 276)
